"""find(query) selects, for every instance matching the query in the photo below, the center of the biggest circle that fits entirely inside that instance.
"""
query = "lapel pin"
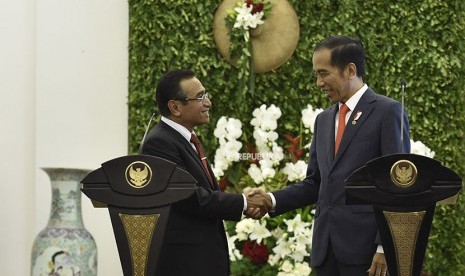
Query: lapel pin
(359, 113)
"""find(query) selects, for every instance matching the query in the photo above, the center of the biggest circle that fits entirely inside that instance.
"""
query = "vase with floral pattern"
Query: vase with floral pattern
(64, 246)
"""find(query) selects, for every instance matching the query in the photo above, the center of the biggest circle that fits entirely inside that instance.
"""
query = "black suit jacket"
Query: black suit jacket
(195, 240)
(351, 229)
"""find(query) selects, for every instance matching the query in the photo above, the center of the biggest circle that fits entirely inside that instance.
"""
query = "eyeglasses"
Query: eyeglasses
(198, 99)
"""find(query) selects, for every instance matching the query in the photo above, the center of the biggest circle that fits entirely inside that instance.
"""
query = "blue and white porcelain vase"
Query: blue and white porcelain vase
(64, 247)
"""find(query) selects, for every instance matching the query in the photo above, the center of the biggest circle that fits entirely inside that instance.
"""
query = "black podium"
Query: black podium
(404, 190)
(138, 191)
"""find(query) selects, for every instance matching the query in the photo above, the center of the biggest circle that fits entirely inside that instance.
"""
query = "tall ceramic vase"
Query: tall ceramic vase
(64, 247)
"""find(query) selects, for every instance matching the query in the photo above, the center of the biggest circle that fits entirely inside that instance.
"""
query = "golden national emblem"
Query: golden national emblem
(404, 173)
(138, 174)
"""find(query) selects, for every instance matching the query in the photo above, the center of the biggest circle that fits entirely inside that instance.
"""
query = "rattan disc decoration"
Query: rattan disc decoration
(273, 42)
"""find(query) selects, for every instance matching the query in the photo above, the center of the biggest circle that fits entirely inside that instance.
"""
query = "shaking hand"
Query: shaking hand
(258, 203)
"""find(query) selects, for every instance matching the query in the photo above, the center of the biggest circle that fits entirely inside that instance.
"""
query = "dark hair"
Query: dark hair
(169, 88)
(345, 50)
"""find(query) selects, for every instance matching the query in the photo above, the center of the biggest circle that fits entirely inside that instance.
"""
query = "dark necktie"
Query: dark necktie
(341, 126)
(203, 158)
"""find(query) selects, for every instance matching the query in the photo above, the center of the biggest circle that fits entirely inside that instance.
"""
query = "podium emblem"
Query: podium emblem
(138, 174)
(404, 173)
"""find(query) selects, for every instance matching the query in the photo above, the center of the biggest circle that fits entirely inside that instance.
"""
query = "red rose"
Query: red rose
(256, 253)
(249, 3)
(257, 8)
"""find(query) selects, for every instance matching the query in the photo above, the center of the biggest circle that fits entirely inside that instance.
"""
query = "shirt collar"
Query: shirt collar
(179, 128)
(353, 101)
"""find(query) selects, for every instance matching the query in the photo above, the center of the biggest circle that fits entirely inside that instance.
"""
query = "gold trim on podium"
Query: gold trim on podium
(404, 228)
(139, 231)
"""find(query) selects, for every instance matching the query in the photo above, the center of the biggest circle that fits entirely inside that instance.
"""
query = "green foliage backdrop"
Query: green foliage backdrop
(420, 41)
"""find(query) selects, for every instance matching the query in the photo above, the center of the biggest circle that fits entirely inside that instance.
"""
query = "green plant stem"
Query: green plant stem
(251, 70)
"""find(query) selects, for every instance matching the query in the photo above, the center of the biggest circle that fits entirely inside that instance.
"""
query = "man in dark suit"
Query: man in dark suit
(195, 240)
(345, 238)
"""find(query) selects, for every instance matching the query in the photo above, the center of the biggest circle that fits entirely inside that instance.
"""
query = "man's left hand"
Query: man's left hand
(378, 265)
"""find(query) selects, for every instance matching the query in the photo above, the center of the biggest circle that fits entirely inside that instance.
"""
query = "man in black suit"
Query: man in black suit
(195, 240)
(345, 239)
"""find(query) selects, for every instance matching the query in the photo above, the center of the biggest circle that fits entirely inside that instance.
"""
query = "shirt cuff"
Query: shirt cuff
(273, 200)
(245, 203)
(380, 249)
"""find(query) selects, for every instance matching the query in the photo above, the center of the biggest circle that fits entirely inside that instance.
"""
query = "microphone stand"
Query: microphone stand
(403, 83)
(146, 131)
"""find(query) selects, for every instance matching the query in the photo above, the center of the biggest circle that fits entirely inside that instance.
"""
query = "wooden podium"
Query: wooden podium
(138, 191)
(404, 190)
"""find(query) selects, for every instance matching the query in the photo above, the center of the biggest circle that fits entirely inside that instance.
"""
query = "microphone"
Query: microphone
(146, 131)
(403, 84)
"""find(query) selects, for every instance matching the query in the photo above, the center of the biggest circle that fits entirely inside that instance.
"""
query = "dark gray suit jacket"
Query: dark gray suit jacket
(195, 241)
(351, 228)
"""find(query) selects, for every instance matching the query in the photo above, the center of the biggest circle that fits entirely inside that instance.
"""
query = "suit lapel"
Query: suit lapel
(364, 107)
(176, 135)
(330, 134)
(191, 151)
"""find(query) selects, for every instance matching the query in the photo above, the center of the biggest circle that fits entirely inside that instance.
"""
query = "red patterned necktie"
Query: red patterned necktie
(341, 126)
(202, 157)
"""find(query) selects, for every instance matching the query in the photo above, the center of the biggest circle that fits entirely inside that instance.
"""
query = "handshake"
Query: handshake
(258, 203)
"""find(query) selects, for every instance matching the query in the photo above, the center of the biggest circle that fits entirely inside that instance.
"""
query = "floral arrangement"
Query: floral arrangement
(419, 148)
(290, 243)
(245, 17)
(280, 245)
(269, 152)
(271, 246)
(227, 130)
